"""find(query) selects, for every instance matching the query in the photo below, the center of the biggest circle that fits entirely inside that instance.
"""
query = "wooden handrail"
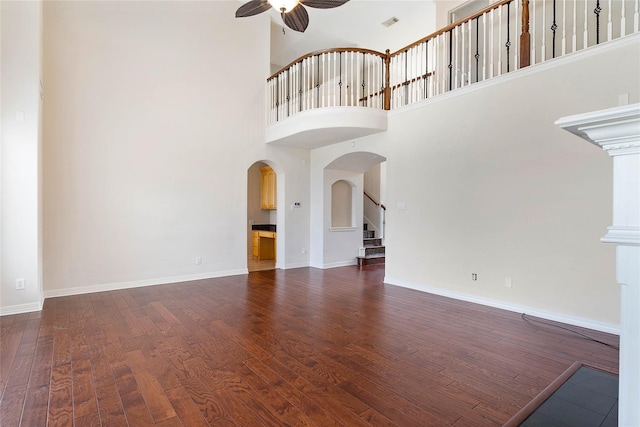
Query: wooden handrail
(374, 202)
(320, 52)
(452, 26)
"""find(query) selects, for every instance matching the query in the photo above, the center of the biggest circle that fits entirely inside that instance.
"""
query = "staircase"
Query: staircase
(372, 251)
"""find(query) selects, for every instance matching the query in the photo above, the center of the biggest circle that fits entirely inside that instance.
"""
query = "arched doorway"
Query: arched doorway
(358, 178)
(262, 217)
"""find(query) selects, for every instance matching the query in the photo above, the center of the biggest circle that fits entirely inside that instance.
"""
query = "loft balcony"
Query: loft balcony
(334, 95)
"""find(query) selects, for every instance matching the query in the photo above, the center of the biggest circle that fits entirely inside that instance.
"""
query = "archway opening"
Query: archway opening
(262, 217)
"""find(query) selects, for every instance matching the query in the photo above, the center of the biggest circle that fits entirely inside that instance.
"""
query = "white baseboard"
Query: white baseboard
(20, 308)
(295, 265)
(570, 320)
(339, 264)
(141, 283)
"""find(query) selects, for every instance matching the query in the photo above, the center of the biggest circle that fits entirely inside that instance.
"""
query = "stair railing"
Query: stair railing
(503, 37)
(343, 77)
(380, 213)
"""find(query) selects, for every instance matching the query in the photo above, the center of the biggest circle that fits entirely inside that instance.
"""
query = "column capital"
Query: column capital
(615, 130)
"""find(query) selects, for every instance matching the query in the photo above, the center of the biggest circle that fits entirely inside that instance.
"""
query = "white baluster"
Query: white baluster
(311, 71)
(610, 23)
(564, 27)
(518, 30)
(586, 25)
(369, 82)
(484, 46)
(470, 56)
(500, 44)
(574, 37)
(310, 82)
(440, 55)
(533, 31)
(623, 20)
(454, 59)
(323, 81)
(636, 17)
(543, 47)
(442, 81)
(491, 37)
(305, 83)
(417, 64)
(462, 41)
(351, 79)
(336, 72)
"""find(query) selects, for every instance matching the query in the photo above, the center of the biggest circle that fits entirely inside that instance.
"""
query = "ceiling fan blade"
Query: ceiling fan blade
(323, 4)
(252, 7)
(297, 18)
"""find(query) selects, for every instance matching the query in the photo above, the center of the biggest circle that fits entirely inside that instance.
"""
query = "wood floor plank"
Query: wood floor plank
(12, 404)
(133, 403)
(186, 408)
(208, 404)
(35, 406)
(150, 388)
(110, 406)
(61, 396)
(306, 347)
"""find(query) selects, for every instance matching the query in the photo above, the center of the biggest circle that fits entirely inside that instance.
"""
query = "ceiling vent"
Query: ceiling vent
(389, 22)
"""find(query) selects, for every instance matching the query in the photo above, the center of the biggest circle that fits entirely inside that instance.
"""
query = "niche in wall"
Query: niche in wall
(342, 204)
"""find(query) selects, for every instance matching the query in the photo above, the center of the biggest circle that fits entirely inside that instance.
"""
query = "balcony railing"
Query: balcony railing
(505, 36)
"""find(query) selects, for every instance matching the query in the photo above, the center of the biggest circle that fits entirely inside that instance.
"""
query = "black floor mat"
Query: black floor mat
(588, 398)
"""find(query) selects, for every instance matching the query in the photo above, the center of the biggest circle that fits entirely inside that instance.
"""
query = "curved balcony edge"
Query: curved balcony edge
(325, 126)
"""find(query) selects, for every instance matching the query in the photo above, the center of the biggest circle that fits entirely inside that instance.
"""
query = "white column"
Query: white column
(617, 131)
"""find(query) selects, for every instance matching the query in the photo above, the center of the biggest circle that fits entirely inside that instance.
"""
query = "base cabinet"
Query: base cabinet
(264, 245)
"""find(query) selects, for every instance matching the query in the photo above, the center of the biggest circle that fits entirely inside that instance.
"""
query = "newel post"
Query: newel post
(525, 37)
(387, 82)
(617, 131)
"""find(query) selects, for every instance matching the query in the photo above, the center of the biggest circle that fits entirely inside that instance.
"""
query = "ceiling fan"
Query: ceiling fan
(292, 11)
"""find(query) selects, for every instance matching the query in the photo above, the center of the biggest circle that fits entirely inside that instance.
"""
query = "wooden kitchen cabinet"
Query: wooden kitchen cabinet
(264, 245)
(269, 192)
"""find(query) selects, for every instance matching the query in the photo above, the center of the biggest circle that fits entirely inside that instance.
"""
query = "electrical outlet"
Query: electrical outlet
(20, 284)
(507, 282)
(474, 276)
(304, 251)
(198, 260)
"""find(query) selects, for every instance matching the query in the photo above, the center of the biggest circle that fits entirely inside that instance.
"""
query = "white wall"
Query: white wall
(21, 35)
(152, 120)
(493, 187)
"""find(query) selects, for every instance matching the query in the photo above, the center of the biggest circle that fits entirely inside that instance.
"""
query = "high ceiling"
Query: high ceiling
(357, 23)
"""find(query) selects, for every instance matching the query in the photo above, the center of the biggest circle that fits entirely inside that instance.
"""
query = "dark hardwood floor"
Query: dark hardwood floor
(296, 347)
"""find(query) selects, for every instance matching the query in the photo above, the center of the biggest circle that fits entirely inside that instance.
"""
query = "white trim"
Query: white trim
(340, 229)
(338, 264)
(622, 235)
(20, 308)
(141, 283)
(296, 265)
(575, 321)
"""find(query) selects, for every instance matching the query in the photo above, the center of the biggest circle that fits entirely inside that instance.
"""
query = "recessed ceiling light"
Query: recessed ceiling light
(389, 22)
